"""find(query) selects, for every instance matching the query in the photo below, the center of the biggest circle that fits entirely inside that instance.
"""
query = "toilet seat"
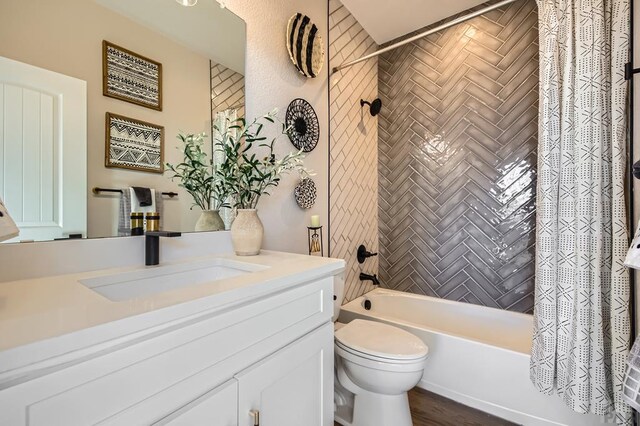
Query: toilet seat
(380, 342)
(382, 364)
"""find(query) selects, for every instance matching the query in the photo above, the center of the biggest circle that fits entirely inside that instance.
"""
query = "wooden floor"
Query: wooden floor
(429, 409)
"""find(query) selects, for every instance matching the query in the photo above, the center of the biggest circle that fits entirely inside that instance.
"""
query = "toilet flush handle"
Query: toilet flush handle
(255, 414)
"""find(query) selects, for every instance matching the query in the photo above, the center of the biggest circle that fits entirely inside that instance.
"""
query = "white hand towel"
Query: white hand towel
(124, 218)
(8, 228)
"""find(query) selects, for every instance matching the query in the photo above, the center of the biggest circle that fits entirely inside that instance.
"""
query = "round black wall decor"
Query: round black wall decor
(305, 45)
(302, 121)
(305, 193)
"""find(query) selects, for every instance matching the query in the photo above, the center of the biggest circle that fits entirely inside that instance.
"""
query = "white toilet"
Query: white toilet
(376, 365)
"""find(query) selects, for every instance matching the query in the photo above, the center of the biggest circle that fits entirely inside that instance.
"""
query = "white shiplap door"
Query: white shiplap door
(43, 150)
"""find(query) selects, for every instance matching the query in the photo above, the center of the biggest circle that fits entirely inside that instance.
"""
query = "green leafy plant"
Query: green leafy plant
(198, 175)
(246, 175)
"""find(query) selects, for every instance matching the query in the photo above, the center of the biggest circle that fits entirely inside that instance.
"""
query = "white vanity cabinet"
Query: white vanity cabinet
(272, 355)
(291, 385)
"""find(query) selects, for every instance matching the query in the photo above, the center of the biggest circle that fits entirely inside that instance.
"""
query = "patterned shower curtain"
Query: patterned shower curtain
(222, 121)
(581, 318)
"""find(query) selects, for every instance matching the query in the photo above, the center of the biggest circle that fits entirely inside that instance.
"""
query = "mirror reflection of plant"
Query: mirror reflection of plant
(246, 175)
(197, 174)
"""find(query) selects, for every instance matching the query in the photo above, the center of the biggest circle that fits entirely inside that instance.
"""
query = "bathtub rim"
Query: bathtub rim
(359, 309)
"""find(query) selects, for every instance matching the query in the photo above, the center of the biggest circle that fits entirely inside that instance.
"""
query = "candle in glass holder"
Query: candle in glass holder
(315, 221)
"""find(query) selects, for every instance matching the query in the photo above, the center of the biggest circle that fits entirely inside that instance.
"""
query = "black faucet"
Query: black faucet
(366, 277)
(152, 245)
(363, 254)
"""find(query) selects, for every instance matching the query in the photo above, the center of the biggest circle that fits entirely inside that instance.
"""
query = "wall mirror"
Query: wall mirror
(89, 86)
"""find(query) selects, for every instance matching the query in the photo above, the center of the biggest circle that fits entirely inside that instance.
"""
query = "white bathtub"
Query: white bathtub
(478, 356)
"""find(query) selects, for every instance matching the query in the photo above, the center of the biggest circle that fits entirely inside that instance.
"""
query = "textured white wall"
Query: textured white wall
(273, 81)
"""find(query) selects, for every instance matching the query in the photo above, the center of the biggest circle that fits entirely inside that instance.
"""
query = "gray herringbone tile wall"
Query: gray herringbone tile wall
(457, 161)
(353, 150)
(227, 89)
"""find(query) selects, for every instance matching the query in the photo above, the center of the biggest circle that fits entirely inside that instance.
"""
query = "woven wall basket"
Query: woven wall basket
(305, 46)
(305, 193)
(303, 123)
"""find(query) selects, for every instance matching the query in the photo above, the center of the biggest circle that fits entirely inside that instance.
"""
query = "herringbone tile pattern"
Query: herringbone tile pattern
(354, 149)
(227, 89)
(457, 161)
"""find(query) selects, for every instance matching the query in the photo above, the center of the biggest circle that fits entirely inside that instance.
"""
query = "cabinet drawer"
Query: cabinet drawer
(151, 379)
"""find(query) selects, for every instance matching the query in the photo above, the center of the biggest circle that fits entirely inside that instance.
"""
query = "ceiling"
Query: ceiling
(386, 20)
(205, 28)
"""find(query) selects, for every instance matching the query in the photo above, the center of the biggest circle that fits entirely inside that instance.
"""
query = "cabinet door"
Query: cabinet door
(292, 387)
(218, 407)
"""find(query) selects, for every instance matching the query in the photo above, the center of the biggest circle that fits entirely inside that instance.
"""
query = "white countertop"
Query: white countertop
(35, 311)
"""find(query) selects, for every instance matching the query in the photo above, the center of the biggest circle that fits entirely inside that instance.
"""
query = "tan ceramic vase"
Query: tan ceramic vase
(247, 232)
(209, 220)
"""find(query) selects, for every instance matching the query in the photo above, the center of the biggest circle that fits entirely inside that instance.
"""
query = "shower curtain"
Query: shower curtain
(581, 316)
(222, 121)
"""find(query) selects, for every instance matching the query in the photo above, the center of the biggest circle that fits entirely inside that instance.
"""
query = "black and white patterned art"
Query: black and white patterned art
(305, 46)
(303, 125)
(130, 77)
(305, 193)
(134, 144)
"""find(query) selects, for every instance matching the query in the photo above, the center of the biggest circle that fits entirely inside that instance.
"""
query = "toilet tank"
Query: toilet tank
(338, 295)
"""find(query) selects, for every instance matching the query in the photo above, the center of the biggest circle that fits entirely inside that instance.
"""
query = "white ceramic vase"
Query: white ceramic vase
(209, 220)
(247, 232)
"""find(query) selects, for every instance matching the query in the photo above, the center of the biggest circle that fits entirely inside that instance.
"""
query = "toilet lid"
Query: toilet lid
(381, 340)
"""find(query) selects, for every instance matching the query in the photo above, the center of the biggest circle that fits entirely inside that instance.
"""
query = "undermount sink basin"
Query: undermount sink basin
(159, 279)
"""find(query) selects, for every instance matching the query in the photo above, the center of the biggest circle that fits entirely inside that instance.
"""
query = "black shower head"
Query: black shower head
(374, 107)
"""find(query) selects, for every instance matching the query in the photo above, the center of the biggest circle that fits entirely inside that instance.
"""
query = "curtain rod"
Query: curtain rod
(426, 33)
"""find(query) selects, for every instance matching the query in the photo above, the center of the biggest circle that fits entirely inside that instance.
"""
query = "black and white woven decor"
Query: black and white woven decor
(304, 44)
(131, 77)
(304, 128)
(134, 144)
(305, 193)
